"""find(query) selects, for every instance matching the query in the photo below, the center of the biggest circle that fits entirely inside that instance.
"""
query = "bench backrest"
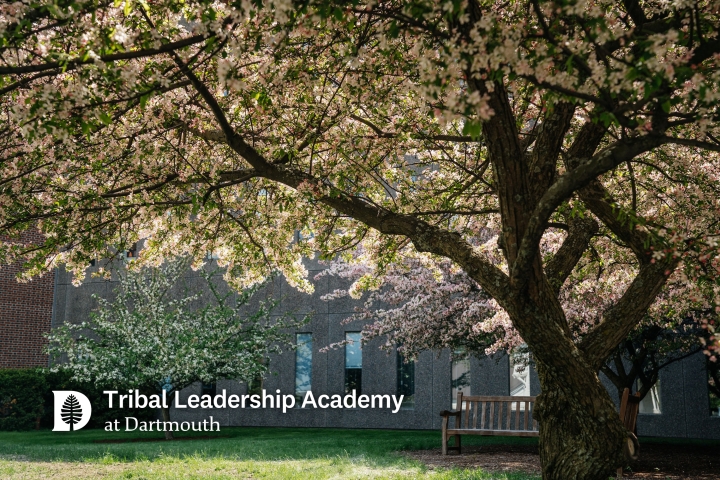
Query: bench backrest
(496, 413)
(629, 407)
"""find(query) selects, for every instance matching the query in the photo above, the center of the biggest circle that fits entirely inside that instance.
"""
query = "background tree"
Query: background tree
(153, 337)
(228, 126)
(423, 304)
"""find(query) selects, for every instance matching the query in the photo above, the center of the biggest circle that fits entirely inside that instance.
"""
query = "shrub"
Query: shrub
(26, 398)
(22, 398)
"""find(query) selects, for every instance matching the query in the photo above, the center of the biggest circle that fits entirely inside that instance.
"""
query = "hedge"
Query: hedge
(22, 398)
(26, 400)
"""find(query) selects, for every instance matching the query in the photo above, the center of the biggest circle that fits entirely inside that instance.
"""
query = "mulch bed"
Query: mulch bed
(133, 440)
(657, 461)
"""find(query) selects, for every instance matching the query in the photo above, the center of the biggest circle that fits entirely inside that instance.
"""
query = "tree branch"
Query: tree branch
(168, 47)
(587, 171)
(561, 265)
(544, 157)
(425, 237)
(621, 318)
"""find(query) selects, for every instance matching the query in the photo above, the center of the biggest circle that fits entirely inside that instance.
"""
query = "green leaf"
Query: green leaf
(143, 100)
(472, 128)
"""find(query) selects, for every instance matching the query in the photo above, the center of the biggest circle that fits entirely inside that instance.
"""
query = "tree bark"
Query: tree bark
(166, 418)
(581, 435)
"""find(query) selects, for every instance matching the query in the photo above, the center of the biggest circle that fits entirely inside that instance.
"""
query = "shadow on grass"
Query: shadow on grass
(238, 443)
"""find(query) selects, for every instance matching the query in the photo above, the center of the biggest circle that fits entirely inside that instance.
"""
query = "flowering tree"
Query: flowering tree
(147, 339)
(227, 126)
(430, 304)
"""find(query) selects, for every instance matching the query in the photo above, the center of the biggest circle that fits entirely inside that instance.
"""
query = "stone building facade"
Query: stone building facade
(681, 405)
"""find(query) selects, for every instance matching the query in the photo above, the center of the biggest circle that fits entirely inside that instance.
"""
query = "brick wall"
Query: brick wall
(25, 315)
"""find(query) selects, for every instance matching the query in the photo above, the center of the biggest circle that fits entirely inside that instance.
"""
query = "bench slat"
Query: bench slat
(467, 413)
(527, 411)
(475, 404)
(496, 398)
(508, 406)
(491, 420)
(482, 419)
(511, 433)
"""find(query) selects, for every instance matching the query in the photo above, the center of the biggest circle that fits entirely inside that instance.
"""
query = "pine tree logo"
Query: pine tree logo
(72, 411)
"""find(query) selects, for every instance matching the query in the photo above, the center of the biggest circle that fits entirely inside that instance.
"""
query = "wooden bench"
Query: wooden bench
(483, 415)
(629, 408)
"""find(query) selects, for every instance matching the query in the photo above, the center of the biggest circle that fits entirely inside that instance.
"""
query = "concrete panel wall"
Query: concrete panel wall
(684, 397)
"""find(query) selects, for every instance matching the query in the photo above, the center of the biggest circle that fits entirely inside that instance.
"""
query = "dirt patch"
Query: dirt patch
(133, 440)
(666, 462)
(493, 458)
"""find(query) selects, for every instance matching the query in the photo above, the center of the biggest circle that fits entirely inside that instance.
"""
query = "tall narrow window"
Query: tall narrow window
(353, 363)
(714, 387)
(303, 365)
(255, 386)
(406, 381)
(520, 375)
(651, 402)
(209, 389)
(460, 378)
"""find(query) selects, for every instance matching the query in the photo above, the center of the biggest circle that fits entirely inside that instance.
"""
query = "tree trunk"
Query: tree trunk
(581, 435)
(166, 418)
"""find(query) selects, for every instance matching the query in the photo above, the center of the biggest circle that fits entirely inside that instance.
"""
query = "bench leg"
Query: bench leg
(619, 473)
(444, 436)
(457, 443)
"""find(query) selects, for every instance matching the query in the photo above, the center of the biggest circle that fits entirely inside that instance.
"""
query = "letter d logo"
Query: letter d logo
(72, 410)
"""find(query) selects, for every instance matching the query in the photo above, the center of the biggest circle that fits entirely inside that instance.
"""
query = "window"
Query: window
(520, 375)
(406, 381)
(460, 377)
(303, 365)
(255, 386)
(713, 370)
(651, 402)
(131, 254)
(209, 389)
(353, 362)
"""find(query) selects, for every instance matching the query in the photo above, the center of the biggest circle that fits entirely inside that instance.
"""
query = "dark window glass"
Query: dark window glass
(406, 381)
(713, 370)
(303, 365)
(209, 389)
(353, 363)
(255, 386)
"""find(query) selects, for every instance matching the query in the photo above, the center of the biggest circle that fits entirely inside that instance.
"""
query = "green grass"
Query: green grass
(287, 453)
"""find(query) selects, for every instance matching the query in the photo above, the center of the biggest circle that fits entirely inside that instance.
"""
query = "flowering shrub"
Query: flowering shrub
(153, 336)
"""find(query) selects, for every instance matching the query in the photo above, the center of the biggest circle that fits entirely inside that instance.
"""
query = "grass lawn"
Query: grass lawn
(287, 453)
